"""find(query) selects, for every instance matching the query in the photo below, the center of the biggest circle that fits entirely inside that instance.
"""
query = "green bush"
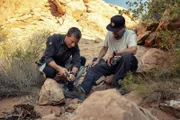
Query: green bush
(168, 40)
(18, 71)
(139, 8)
(154, 85)
(153, 9)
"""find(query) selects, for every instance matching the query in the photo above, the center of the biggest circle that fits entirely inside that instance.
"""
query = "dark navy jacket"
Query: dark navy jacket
(56, 50)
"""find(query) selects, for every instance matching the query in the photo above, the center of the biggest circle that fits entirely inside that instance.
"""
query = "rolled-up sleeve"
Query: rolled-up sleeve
(50, 50)
(76, 57)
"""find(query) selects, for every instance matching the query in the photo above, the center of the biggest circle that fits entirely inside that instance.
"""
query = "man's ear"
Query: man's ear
(66, 36)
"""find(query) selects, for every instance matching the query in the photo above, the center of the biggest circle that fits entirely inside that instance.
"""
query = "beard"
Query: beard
(119, 36)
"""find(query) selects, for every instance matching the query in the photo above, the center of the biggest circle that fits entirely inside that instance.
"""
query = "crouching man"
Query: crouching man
(61, 60)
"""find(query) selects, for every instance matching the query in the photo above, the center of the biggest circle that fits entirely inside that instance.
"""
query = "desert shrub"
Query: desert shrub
(153, 86)
(160, 83)
(18, 71)
(152, 9)
(174, 63)
(168, 40)
(138, 8)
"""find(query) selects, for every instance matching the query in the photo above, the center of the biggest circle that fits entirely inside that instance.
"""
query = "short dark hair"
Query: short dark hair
(74, 31)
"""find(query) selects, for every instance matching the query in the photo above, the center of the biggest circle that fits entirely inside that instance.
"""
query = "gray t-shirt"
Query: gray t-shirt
(128, 40)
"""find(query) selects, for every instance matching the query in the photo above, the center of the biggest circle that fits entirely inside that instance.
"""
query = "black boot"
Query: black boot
(78, 93)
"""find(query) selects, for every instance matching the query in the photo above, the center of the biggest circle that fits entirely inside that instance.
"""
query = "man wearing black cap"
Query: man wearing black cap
(121, 46)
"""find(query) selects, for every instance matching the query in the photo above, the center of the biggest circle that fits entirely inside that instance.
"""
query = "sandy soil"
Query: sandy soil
(90, 48)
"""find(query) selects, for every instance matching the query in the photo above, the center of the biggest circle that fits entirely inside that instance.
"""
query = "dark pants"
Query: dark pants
(127, 62)
(51, 72)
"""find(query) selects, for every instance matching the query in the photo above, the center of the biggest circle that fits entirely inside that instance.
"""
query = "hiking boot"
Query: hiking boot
(68, 86)
(75, 94)
(78, 93)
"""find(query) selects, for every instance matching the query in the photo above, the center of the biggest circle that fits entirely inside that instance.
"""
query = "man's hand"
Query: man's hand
(62, 71)
(101, 55)
(110, 59)
(71, 77)
(93, 63)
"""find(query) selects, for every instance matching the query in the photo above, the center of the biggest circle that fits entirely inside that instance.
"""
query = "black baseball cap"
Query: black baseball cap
(117, 23)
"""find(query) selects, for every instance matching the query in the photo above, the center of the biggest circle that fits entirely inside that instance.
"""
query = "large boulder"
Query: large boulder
(150, 58)
(51, 93)
(90, 16)
(110, 105)
(154, 33)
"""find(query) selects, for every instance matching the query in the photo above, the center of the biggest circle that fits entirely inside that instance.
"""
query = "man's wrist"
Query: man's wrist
(98, 59)
(58, 68)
